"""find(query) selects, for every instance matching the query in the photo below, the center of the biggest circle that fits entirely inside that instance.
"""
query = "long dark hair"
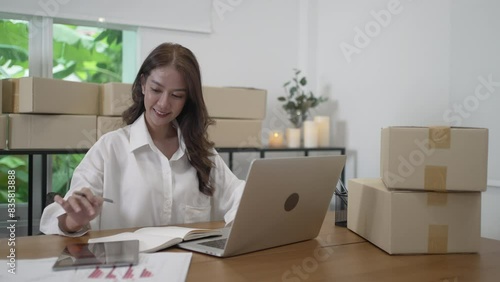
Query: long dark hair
(193, 120)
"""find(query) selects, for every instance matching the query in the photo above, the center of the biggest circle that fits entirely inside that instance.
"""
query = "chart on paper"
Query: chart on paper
(151, 267)
(132, 272)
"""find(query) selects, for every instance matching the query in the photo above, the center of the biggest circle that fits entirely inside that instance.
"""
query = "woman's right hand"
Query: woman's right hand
(80, 210)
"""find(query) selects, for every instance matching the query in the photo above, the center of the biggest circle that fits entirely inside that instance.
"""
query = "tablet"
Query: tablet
(106, 254)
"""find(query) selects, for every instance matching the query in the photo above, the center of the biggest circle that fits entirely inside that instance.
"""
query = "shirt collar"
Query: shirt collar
(139, 136)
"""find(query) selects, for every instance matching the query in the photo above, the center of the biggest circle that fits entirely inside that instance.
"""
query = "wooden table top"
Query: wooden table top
(337, 254)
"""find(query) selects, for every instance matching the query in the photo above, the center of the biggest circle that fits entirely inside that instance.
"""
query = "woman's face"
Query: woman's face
(165, 93)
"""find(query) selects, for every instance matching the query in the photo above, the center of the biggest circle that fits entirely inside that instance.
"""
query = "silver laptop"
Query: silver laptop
(285, 201)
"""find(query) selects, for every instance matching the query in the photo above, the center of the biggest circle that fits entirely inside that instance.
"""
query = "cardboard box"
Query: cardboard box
(3, 131)
(235, 103)
(434, 158)
(414, 222)
(53, 96)
(115, 98)
(236, 133)
(7, 95)
(51, 131)
(1, 95)
(107, 124)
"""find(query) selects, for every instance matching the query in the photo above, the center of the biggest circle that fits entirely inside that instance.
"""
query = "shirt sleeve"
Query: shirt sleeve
(228, 191)
(89, 173)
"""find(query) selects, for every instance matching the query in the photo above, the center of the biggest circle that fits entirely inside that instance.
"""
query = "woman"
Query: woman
(160, 169)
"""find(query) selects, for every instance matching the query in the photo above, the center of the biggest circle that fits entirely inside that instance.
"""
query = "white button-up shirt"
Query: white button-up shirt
(147, 188)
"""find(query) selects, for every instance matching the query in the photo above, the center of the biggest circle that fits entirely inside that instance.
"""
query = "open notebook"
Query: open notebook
(152, 239)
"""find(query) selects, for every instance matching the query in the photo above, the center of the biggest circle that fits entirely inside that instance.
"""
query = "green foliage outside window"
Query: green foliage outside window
(85, 54)
(13, 49)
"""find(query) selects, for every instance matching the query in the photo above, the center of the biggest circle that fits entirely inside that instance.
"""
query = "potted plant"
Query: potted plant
(298, 99)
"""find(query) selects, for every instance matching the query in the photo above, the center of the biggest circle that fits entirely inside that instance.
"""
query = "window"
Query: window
(14, 58)
(77, 53)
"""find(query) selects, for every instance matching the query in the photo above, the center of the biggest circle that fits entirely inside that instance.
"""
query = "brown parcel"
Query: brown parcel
(1, 94)
(115, 98)
(236, 133)
(53, 96)
(235, 103)
(3, 131)
(434, 158)
(107, 124)
(51, 131)
(7, 95)
(414, 222)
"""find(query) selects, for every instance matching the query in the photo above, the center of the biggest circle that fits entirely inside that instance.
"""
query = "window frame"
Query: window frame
(40, 51)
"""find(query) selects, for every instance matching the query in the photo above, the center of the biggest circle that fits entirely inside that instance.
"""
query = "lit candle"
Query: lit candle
(276, 139)
(310, 134)
(323, 124)
(293, 137)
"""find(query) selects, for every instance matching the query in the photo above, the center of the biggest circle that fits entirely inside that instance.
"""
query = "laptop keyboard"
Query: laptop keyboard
(218, 244)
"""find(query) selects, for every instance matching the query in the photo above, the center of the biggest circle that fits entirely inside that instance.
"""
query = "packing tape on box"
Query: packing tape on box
(437, 199)
(15, 95)
(435, 178)
(437, 240)
(439, 137)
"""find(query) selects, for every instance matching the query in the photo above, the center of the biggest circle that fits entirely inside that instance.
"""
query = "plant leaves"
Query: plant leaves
(303, 81)
(12, 162)
(66, 72)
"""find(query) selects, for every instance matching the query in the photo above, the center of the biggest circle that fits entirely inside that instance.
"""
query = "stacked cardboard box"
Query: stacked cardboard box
(3, 131)
(428, 197)
(238, 113)
(53, 114)
(7, 92)
(115, 98)
(50, 113)
(3, 118)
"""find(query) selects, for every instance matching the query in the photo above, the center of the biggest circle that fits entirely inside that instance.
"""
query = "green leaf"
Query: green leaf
(12, 162)
(281, 99)
(65, 34)
(22, 175)
(13, 53)
(303, 81)
(66, 72)
(14, 33)
(101, 36)
(292, 91)
(290, 106)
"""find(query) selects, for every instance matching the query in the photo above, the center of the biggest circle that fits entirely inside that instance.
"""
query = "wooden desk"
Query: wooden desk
(336, 254)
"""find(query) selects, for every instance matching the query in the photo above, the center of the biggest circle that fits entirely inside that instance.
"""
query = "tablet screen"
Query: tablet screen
(107, 254)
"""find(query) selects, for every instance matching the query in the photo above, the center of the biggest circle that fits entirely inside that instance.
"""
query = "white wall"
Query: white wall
(400, 76)
(474, 53)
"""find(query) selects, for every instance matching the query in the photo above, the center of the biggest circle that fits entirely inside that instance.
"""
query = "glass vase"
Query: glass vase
(297, 118)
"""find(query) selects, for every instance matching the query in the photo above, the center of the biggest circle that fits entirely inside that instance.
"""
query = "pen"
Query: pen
(83, 195)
